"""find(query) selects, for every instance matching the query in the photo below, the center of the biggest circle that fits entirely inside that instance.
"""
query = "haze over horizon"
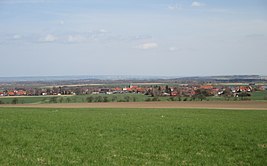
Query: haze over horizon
(133, 37)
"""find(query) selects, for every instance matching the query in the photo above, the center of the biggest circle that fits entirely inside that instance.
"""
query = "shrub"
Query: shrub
(90, 99)
(155, 99)
(127, 98)
(148, 99)
(53, 100)
(14, 101)
(99, 99)
(105, 99)
(114, 98)
(61, 99)
(68, 99)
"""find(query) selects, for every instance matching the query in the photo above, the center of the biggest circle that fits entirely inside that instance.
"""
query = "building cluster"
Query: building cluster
(181, 90)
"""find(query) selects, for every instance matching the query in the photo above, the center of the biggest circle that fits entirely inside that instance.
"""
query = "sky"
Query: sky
(133, 37)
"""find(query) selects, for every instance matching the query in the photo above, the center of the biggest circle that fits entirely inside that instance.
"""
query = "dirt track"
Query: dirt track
(246, 105)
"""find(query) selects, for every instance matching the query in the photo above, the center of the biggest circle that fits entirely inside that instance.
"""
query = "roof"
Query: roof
(206, 87)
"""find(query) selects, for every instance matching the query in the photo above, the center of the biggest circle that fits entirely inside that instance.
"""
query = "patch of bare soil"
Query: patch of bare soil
(244, 105)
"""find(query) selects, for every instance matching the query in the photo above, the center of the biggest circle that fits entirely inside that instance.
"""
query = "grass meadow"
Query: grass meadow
(30, 136)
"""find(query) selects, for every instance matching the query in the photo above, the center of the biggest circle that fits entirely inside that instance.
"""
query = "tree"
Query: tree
(201, 97)
(99, 99)
(155, 99)
(156, 91)
(167, 89)
(14, 101)
(244, 95)
(148, 99)
(126, 98)
(90, 99)
(114, 98)
(171, 98)
(53, 100)
(61, 99)
(227, 93)
(105, 99)
(68, 99)
(201, 94)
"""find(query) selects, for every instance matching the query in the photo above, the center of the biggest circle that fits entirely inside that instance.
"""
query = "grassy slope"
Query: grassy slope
(132, 137)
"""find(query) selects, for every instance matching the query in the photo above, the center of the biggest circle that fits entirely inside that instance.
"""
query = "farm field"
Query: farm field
(245, 105)
(132, 136)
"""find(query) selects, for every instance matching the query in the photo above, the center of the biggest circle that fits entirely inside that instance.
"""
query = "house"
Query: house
(21, 93)
(104, 90)
(206, 87)
(11, 93)
(244, 89)
(215, 91)
(133, 87)
(262, 88)
(127, 89)
(167, 94)
(173, 94)
(117, 89)
(140, 90)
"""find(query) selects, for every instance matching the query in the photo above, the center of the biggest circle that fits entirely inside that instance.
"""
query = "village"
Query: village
(179, 90)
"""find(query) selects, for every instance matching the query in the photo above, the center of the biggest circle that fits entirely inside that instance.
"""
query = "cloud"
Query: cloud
(49, 38)
(197, 4)
(149, 45)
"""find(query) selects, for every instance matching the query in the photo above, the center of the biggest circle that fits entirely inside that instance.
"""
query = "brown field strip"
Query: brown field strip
(244, 105)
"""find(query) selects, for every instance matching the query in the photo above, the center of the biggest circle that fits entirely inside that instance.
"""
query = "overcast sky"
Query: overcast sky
(133, 37)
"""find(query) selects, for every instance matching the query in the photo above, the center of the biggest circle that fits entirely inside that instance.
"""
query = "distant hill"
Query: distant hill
(227, 78)
(82, 77)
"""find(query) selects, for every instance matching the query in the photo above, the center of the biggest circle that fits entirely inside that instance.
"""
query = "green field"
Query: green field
(30, 136)
(261, 95)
